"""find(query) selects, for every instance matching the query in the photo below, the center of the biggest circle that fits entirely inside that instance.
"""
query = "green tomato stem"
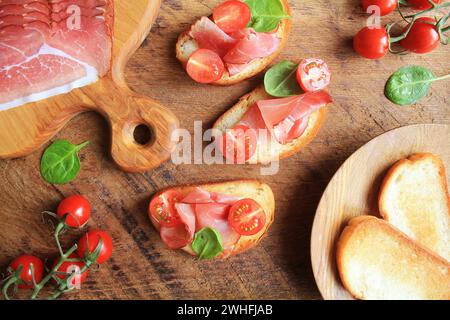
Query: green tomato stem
(8, 283)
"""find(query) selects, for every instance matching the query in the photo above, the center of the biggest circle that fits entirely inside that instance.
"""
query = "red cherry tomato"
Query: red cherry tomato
(90, 240)
(162, 208)
(232, 16)
(28, 272)
(238, 144)
(371, 43)
(70, 267)
(205, 66)
(422, 4)
(78, 211)
(423, 36)
(247, 217)
(313, 74)
(386, 6)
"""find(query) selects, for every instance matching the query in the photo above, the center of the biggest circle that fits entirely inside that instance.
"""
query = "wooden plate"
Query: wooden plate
(26, 128)
(354, 190)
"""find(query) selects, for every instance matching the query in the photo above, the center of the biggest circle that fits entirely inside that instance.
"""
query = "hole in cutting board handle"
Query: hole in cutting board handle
(143, 135)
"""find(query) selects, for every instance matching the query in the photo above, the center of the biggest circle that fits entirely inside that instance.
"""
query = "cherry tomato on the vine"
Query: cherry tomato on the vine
(371, 43)
(422, 4)
(71, 267)
(423, 36)
(232, 16)
(386, 6)
(28, 273)
(78, 211)
(90, 241)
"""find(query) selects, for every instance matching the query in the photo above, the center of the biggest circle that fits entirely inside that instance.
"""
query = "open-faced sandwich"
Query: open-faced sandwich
(276, 120)
(214, 220)
(239, 40)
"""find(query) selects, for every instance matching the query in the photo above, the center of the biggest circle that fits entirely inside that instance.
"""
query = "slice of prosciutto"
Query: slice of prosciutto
(181, 235)
(286, 119)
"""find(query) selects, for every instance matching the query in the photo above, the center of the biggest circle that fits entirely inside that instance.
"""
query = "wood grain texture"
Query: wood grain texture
(354, 191)
(27, 127)
(280, 267)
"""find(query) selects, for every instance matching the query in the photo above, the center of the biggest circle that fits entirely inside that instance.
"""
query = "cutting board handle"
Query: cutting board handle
(126, 110)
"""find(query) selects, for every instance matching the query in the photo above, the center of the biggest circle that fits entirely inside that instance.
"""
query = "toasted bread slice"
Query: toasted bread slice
(186, 46)
(253, 189)
(377, 261)
(274, 151)
(414, 198)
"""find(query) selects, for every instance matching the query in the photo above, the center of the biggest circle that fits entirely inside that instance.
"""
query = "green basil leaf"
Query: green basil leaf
(408, 85)
(281, 81)
(60, 163)
(207, 243)
(266, 14)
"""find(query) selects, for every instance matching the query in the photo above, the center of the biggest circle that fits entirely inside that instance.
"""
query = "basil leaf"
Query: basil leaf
(60, 163)
(207, 243)
(408, 85)
(281, 81)
(266, 14)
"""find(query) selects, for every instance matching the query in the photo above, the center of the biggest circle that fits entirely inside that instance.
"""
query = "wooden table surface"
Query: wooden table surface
(280, 268)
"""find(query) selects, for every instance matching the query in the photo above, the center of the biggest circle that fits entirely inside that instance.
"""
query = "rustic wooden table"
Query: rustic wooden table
(280, 268)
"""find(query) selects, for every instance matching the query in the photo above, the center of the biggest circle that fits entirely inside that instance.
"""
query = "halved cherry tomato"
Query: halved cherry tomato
(205, 66)
(423, 36)
(89, 242)
(386, 6)
(28, 273)
(313, 74)
(70, 267)
(232, 16)
(78, 211)
(162, 208)
(247, 217)
(238, 144)
(422, 4)
(371, 43)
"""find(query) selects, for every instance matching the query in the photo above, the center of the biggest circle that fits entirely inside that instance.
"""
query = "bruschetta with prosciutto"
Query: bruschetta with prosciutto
(239, 40)
(213, 220)
(278, 119)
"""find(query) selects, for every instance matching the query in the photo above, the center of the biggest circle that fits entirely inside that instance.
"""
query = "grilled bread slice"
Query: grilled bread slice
(414, 198)
(186, 46)
(377, 261)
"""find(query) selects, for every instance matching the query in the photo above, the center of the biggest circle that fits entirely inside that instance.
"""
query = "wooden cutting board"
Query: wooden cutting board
(26, 128)
(354, 191)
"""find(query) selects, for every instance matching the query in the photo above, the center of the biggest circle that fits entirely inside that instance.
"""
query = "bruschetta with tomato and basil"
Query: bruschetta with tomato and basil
(213, 220)
(239, 40)
(278, 119)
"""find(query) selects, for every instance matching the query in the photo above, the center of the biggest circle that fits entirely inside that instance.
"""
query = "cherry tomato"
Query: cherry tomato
(78, 210)
(386, 6)
(371, 43)
(162, 208)
(247, 217)
(69, 267)
(313, 74)
(423, 36)
(232, 16)
(422, 4)
(91, 239)
(28, 273)
(205, 66)
(238, 144)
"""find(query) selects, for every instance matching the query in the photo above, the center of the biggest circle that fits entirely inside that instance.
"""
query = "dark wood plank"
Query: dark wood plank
(280, 267)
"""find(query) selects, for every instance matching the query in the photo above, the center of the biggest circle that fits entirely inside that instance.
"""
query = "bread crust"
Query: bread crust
(317, 119)
(397, 167)
(358, 226)
(257, 66)
(247, 188)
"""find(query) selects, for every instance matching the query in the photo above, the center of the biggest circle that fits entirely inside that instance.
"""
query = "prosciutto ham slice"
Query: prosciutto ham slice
(49, 47)
(197, 210)
(237, 50)
(286, 119)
